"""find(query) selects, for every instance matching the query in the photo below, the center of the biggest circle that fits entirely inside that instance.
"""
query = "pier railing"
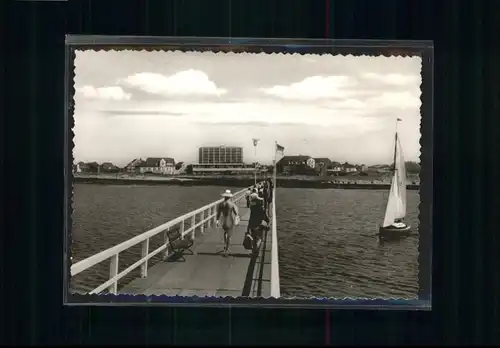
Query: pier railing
(275, 274)
(207, 216)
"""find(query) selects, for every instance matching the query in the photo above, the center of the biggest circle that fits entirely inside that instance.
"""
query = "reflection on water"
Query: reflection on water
(327, 245)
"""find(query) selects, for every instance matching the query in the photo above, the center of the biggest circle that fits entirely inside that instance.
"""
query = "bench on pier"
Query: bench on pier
(179, 246)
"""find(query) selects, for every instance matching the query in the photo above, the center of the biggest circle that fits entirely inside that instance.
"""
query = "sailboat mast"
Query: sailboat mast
(396, 143)
(395, 150)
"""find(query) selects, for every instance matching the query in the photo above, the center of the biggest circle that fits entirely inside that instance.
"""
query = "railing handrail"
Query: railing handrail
(275, 275)
(93, 260)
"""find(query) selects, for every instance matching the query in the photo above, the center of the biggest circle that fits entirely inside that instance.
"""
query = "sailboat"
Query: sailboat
(395, 212)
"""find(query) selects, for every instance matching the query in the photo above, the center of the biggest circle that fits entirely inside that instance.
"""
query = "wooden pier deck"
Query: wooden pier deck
(208, 272)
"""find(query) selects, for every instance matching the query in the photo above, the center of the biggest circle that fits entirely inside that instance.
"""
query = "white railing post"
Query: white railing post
(144, 253)
(113, 271)
(182, 229)
(209, 217)
(193, 225)
(165, 241)
(202, 227)
(275, 275)
(214, 220)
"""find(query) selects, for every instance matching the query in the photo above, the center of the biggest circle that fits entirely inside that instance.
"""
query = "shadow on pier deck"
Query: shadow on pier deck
(207, 272)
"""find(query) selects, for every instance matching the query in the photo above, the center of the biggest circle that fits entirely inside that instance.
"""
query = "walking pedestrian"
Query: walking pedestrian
(257, 216)
(247, 196)
(271, 192)
(227, 216)
(266, 195)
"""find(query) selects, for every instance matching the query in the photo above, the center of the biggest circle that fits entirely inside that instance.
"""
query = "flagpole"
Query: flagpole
(255, 166)
(255, 142)
(274, 163)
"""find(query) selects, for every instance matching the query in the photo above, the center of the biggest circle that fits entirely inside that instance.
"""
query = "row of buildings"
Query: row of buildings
(229, 160)
(307, 165)
(151, 165)
(94, 167)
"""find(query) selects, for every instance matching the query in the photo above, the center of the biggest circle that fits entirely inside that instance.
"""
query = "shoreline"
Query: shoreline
(234, 182)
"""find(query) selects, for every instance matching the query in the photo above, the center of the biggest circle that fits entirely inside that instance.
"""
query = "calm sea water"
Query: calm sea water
(327, 241)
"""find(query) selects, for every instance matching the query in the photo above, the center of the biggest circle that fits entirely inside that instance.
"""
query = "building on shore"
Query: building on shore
(220, 155)
(77, 168)
(222, 160)
(346, 168)
(135, 165)
(226, 169)
(322, 165)
(296, 165)
(87, 167)
(158, 165)
(108, 167)
(380, 168)
(349, 168)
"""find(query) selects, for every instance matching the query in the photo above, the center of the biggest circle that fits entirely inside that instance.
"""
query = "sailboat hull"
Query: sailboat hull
(394, 232)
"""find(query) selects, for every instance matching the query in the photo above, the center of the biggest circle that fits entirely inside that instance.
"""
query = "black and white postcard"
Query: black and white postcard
(222, 174)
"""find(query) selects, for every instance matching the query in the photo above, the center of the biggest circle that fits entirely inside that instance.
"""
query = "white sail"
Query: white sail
(396, 204)
(401, 176)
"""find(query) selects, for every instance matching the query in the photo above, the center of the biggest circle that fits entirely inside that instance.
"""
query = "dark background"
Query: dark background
(466, 161)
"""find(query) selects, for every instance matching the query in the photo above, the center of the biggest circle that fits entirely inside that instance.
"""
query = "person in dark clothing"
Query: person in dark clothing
(271, 187)
(266, 191)
(269, 195)
(256, 210)
(247, 196)
(260, 192)
(257, 216)
(257, 234)
(271, 184)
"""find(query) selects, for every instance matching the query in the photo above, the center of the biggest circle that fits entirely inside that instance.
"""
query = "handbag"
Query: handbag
(248, 241)
(236, 220)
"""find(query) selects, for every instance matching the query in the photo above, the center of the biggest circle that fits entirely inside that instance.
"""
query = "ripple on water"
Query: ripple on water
(328, 246)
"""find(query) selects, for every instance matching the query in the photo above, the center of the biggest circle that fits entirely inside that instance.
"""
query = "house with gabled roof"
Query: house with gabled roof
(349, 168)
(134, 165)
(158, 165)
(108, 167)
(296, 165)
(322, 165)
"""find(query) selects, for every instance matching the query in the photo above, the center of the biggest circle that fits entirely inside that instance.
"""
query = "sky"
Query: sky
(131, 104)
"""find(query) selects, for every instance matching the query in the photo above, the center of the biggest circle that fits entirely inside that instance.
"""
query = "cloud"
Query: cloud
(104, 93)
(122, 112)
(392, 79)
(400, 100)
(345, 104)
(183, 83)
(313, 88)
(270, 112)
(262, 124)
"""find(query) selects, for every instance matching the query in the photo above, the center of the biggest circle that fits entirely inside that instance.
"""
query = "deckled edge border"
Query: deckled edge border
(355, 48)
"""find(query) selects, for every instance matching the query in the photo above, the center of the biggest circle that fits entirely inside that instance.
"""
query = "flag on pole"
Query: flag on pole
(399, 119)
(280, 149)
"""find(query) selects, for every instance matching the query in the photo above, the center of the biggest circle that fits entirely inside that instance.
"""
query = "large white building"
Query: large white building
(220, 155)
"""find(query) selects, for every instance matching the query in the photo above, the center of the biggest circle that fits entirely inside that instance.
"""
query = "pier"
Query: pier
(200, 271)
